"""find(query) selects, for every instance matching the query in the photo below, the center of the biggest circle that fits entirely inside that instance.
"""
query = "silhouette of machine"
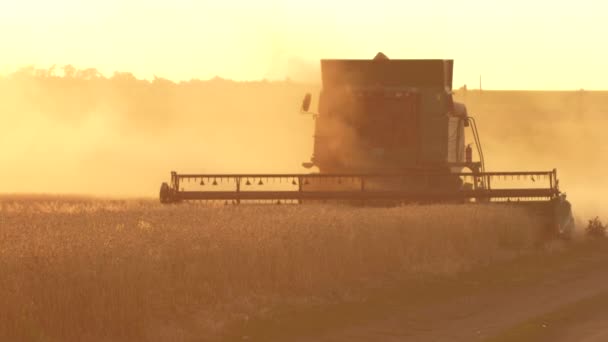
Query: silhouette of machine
(386, 131)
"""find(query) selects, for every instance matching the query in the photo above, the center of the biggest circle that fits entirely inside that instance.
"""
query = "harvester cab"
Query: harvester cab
(386, 116)
(386, 131)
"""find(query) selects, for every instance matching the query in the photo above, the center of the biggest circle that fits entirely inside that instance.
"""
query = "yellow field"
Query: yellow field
(78, 269)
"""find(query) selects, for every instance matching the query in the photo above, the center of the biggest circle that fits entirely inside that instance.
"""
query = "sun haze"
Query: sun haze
(92, 130)
(513, 45)
(187, 170)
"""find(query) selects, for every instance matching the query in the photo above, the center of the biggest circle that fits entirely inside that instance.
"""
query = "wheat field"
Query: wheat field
(119, 270)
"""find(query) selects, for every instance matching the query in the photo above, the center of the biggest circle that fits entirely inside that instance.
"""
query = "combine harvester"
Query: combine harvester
(388, 132)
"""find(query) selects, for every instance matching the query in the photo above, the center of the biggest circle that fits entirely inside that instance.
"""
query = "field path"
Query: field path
(482, 316)
(545, 297)
(595, 330)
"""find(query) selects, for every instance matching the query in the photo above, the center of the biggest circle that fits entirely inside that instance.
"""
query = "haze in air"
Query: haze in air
(101, 100)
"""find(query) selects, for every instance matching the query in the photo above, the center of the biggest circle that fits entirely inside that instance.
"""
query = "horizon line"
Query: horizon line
(285, 79)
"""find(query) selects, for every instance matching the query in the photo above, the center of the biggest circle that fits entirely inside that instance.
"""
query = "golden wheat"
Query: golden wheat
(135, 270)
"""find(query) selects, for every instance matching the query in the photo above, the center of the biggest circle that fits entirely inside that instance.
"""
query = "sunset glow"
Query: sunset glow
(513, 45)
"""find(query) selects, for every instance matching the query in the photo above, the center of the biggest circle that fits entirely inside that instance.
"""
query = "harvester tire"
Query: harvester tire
(166, 194)
(564, 218)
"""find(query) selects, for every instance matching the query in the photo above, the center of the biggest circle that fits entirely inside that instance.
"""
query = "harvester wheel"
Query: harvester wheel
(166, 195)
(563, 218)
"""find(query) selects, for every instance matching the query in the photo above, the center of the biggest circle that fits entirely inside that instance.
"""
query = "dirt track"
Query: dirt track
(544, 297)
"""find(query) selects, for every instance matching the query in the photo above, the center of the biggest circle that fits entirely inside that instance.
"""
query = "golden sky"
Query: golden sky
(514, 44)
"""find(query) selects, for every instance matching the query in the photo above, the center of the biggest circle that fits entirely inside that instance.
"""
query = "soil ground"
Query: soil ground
(558, 295)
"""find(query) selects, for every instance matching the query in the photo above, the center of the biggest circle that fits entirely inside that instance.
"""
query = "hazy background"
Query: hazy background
(71, 123)
(67, 130)
(515, 44)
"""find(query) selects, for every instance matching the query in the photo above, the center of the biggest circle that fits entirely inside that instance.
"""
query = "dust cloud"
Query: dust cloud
(76, 131)
(537, 130)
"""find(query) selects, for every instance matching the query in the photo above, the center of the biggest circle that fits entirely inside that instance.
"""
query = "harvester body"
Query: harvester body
(386, 131)
(385, 116)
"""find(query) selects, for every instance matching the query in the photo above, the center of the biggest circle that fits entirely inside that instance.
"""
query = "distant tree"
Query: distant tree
(89, 74)
(217, 79)
(24, 72)
(69, 71)
(161, 81)
(123, 77)
(52, 70)
(42, 73)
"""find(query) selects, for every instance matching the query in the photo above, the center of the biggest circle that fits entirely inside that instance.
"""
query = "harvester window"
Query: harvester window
(387, 122)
